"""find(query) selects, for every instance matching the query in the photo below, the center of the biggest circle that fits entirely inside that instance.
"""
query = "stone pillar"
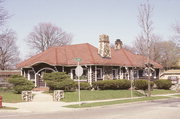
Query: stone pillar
(58, 95)
(26, 95)
(104, 49)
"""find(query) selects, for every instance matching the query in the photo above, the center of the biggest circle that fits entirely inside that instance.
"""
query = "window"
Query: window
(99, 73)
(115, 73)
(136, 74)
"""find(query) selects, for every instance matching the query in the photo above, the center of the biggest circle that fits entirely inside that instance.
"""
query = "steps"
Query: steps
(42, 89)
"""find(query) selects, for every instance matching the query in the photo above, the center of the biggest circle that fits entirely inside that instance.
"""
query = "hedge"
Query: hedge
(84, 86)
(163, 84)
(112, 84)
(142, 84)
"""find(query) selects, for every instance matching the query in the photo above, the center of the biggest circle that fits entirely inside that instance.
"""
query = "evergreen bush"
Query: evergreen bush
(59, 81)
(20, 83)
(163, 84)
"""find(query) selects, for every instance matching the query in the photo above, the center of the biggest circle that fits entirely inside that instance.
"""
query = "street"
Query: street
(164, 109)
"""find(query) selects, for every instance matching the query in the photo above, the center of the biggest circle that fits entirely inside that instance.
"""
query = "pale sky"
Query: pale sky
(87, 19)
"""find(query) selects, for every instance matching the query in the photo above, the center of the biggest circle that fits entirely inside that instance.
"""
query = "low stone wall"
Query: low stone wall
(58, 95)
(27, 96)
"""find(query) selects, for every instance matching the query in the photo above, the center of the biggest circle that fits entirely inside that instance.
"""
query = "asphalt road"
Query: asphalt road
(166, 109)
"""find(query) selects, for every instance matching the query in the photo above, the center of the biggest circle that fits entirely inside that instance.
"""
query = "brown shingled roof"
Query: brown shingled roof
(65, 55)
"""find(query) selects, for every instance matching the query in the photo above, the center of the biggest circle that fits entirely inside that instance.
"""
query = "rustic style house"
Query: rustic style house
(100, 63)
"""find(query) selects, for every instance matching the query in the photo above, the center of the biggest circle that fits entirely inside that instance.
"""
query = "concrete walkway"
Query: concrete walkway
(44, 103)
(42, 97)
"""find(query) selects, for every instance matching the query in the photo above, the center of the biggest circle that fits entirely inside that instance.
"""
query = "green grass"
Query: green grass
(8, 108)
(99, 95)
(116, 102)
(162, 91)
(10, 97)
(176, 95)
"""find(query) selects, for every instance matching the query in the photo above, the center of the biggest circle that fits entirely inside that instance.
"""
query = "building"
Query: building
(173, 75)
(4, 74)
(99, 63)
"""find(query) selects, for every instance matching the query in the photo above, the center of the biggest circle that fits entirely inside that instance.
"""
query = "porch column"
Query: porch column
(128, 73)
(103, 72)
(120, 72)
(137, 73)
(28, 76)
(24, 73)
(90, 77)
(21, 71)
(35, 81)
(62, 68)
(95, 73)
(71, 74)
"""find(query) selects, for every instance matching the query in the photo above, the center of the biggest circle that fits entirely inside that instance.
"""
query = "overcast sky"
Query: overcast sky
(87, 19)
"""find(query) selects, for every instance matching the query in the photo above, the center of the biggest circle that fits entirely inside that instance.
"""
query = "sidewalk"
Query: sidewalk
(41, 103)
(44, 103)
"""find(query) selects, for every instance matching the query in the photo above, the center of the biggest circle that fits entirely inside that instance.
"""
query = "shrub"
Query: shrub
(142, 84)
(20, 83)
(163, 84)
(124, 84)
(112, 84)
(84, 86)
(59, 81)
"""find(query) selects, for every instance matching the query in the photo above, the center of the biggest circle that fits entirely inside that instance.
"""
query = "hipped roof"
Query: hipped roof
(65, 56)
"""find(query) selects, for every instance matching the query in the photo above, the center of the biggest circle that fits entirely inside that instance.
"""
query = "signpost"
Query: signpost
(78, 72)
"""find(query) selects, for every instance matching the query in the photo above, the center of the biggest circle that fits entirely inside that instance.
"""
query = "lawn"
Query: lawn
(10, 97)
(99, 95)
(115, 102)
(162, 91)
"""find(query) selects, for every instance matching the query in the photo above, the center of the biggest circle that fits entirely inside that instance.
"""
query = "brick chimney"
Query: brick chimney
(118, 44)
(104, 49)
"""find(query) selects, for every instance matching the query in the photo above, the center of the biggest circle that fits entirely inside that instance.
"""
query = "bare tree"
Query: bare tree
(169, 53)
(3, 14)
(9, 54)
(46, 35)
(177, 36)
(144, 40)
